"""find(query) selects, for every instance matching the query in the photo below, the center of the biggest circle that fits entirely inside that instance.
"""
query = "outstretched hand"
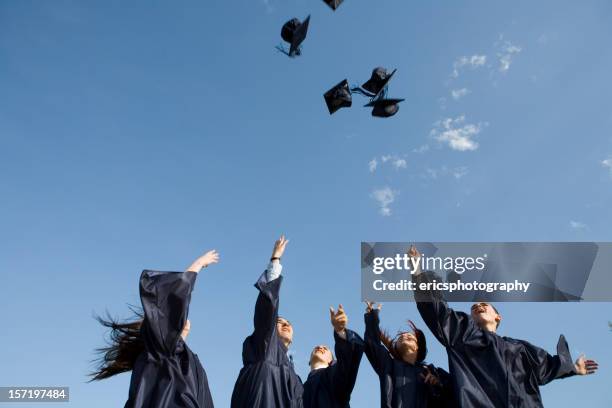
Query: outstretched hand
(338, 319)
(415, 258)
(584, 366)
(370, 306)
(208, 258)
(413, 252)
(279, 247)
(429, 377)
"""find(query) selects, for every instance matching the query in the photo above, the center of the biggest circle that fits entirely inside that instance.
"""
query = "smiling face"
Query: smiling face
(285, 330)
(321, 354)
(485, 316)
(406, 344)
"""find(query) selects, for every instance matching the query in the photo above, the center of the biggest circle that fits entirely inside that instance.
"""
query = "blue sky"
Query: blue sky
(138, 136)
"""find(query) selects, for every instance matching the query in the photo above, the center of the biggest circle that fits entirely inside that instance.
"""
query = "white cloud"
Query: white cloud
(399, 163)
(421, 149)
(372, 165)
(506, 55)
(394, 160)
(442, 103)
(384, 197)
(268, 5)
(607, 163)
(432, 173)
(474, 61)
(457, 134)
(459, 172)
(435, 173)
(459, 93)
(577, 225)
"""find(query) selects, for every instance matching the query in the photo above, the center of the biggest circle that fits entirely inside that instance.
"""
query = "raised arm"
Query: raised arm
(165, 298)
(548, 367)
(377, 354)
(448, 325)
(266, 307)
(349, 350)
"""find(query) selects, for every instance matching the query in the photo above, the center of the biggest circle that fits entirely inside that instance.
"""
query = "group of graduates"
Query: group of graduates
(485, 370)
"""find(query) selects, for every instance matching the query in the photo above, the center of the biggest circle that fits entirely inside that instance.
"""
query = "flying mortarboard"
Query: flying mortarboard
(334, 4)
(384, 108)
(377, 85)
(294, 32)
(375, 89)
(378, 81)
(338, 97)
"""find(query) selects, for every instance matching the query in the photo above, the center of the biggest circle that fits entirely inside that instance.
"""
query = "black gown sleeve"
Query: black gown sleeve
(344, 372)
(547, 367)
(442, 391)
(375, 351)
(165, 298)
(264, 321)
(448, 325)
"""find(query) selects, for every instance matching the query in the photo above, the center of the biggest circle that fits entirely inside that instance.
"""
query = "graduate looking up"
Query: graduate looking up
(267, 379)
(406, 381)
(488, 370)
(165, 372)
(330, 382)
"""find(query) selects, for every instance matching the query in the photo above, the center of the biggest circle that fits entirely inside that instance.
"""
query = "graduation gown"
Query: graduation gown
(331, 387)
(267, 379)
(167, 374)
(489, 370)
(402, 384)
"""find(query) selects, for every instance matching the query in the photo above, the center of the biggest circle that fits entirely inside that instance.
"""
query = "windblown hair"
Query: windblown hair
(124, 346)
(281, 317)
(390, 345)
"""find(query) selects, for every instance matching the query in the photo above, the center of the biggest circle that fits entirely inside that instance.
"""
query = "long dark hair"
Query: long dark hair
(389, 343)
(123, 346)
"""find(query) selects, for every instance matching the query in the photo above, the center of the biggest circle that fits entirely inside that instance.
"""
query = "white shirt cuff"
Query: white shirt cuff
(273, 271)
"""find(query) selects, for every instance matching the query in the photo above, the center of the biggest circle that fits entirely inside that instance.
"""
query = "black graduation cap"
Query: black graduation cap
(378, 81)
(384, 108)
(334, 4)
(294, 32)
(338, 97)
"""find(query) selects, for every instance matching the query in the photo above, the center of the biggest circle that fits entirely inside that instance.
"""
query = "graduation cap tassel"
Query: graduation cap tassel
(382, 94)
(359, 90)
(281, 49)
